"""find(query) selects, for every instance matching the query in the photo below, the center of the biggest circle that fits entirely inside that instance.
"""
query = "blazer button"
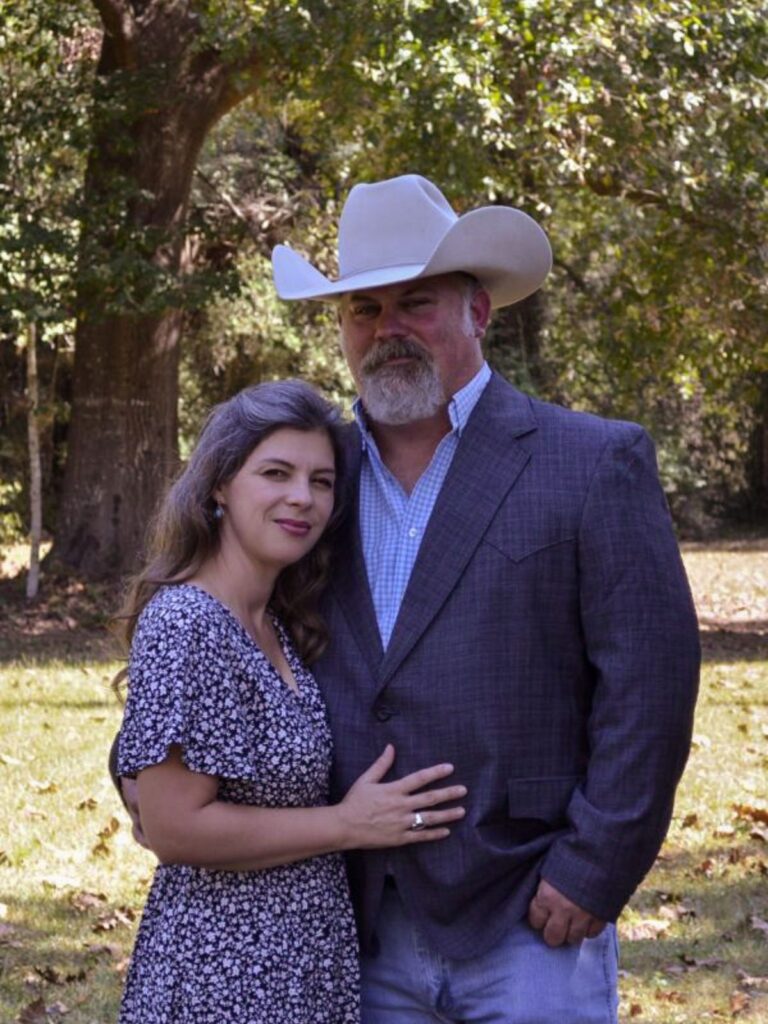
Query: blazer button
(382, 712)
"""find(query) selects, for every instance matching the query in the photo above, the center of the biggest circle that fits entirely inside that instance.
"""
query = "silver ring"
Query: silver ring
(418, 822)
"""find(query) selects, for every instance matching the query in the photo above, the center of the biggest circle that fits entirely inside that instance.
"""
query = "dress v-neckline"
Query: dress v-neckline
(280, 633)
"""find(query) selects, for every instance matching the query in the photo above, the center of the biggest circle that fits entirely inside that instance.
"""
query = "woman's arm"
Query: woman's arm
(185, 823)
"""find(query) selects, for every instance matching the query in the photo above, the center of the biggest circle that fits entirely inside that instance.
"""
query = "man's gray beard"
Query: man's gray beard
(402, 394)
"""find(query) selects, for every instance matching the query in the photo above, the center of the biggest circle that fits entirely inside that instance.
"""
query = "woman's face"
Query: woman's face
(280, 500)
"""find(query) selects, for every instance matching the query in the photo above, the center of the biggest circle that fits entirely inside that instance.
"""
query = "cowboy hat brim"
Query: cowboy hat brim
(503, 248)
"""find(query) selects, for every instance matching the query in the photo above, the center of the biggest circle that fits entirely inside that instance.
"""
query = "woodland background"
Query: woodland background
(152, 153)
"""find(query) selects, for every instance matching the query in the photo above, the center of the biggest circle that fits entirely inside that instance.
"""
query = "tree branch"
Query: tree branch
(120, 25)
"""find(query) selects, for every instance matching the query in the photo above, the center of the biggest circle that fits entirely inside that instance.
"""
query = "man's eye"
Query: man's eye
(363, 311)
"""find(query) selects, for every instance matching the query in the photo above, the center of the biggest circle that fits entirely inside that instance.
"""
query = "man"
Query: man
(508, 597)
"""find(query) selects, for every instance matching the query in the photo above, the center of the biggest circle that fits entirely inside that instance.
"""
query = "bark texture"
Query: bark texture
(158, 94)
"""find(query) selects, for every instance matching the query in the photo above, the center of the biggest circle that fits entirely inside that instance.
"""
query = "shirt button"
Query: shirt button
(412, 532)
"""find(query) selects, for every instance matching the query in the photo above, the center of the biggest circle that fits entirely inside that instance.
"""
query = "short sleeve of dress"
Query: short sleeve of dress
(182, 690)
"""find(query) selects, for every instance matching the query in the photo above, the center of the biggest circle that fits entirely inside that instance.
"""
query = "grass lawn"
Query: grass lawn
(72, 882)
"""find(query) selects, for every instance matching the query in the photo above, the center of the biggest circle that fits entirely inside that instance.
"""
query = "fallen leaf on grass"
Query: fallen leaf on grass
(7, 759)
(102, 949)
(740, 1001)
(33, 1013)
(635, 1010)
(84, 900)
(749, 981)
(759, 924)
(102, 847)
(43, 787)
(690, 820)
(38, 1013)
(648, 929)
(760, 834)
(54, 976)
(4, 858)
(676, 911)
(117, 918)
(89, 804)
(751, 813)
(670, 997)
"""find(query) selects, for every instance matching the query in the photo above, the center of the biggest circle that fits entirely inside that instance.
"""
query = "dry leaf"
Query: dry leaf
(670, 997)
(117, 918)
(759, 833)
(759, 924)
(84, 900)
(751, 813)
(43, 787)
(690, 820)
(33, 1013)
(4, 858)
(7, 759)
(89, 804)
(740, 1001)
(648, 929)
(635, 1010)
(749, 981)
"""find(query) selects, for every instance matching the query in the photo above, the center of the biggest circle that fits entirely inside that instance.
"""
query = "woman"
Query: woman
(248, 919)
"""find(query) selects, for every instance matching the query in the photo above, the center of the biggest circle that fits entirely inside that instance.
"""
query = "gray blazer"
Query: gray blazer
(547, 646)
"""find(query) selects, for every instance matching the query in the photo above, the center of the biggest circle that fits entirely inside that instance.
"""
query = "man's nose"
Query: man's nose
(389, 325)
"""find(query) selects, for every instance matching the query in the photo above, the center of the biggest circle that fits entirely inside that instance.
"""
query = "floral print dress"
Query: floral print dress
(234, 947)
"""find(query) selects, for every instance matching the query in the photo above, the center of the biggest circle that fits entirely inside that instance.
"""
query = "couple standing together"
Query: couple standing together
(504, 667)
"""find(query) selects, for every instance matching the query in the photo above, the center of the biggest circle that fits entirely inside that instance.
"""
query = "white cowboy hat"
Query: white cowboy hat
(404, 228)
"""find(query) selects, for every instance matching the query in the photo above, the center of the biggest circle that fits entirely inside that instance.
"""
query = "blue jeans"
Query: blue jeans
(520, 981)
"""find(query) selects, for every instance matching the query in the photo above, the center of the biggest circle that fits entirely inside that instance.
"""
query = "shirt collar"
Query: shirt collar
(460, 406)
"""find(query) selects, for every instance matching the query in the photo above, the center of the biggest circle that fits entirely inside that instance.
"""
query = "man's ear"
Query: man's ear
(480, 310)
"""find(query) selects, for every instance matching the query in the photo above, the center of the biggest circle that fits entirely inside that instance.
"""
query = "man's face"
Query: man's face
(412, 346)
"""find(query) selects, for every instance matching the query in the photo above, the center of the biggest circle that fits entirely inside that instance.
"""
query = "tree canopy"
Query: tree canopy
(633, 132)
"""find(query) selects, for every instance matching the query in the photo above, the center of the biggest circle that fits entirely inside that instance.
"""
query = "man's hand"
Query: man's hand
(130, 791)
(559, 919)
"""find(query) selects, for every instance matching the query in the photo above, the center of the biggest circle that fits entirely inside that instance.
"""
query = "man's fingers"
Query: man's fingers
(556, 929)
(538, 914)
(595, 927)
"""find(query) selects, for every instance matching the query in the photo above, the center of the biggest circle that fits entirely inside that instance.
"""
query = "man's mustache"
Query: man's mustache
(397, 348)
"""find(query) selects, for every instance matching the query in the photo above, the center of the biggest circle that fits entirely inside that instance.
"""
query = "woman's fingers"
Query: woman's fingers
(423, 777)
(380, 767)
(436, 796)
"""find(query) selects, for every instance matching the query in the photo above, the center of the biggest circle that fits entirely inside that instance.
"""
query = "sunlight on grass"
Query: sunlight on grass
(72, 881)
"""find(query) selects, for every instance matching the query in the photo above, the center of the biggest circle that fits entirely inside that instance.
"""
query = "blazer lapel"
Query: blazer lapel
(349, 577)
(486, 465)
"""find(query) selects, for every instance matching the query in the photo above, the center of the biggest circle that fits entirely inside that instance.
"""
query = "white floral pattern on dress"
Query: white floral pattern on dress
(226, 947)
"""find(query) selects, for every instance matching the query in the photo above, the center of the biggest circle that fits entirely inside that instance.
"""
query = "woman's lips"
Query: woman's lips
(296, 527)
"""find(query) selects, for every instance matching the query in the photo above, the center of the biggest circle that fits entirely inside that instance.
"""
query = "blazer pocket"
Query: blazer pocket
(519, 551)
(542, 799)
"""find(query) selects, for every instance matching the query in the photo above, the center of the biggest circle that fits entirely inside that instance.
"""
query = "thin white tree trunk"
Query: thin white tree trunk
(35, 473)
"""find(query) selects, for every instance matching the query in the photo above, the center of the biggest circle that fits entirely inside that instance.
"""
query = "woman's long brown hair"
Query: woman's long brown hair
(185, 530)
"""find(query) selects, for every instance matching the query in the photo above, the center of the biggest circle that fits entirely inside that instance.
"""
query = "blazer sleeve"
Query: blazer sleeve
(641, 638)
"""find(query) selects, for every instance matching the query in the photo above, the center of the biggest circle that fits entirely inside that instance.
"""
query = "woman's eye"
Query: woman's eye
(324, 482)
(274, 473)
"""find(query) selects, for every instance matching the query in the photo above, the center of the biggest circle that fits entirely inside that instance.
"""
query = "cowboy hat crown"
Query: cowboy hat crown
(404, 228)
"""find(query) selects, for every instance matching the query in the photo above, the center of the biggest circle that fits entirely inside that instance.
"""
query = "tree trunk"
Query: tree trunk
(158, 94)
(35, 471)
(758, 460)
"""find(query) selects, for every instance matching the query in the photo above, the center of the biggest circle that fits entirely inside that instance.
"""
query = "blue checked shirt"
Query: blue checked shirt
(392, 523)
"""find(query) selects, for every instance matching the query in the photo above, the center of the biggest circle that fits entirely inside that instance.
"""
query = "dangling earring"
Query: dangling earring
(218, 512)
